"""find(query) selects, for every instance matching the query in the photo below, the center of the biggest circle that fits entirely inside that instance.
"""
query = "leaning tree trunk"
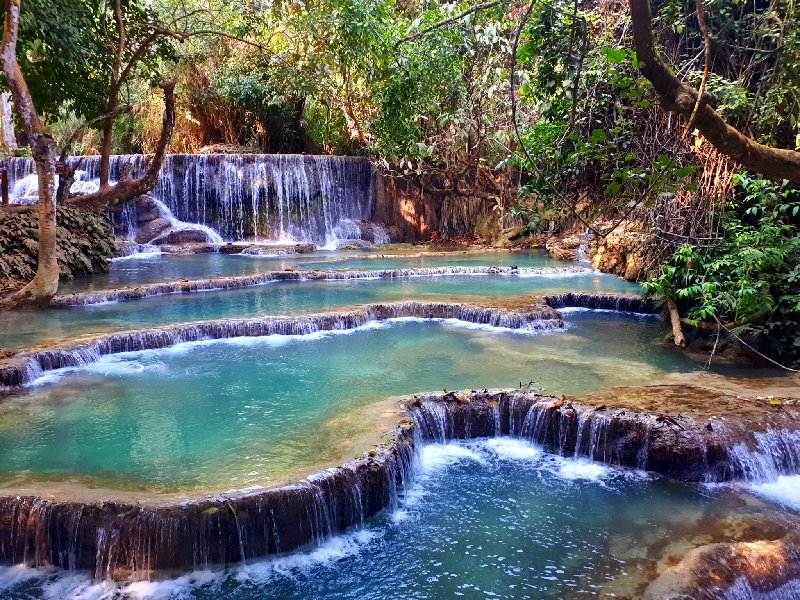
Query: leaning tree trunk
(9, 141)
(680, 98)
(45, 283)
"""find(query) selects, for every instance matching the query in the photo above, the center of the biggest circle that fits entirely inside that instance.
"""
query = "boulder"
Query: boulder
(182, 236)
(150, 230)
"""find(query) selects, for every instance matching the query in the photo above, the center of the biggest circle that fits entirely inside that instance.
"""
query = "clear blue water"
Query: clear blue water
(132, 272)
(230, 414)
(485, 519)
(24, 329)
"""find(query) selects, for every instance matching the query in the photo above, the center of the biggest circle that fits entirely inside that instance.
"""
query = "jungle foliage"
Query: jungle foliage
(588, 141)
(85, 243)
(749, 284)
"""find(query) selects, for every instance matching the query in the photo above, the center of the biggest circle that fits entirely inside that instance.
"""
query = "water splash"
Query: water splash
(775, 452)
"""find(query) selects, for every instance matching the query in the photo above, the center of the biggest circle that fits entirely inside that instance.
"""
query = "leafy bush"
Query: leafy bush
(85, 243)
(751, 281)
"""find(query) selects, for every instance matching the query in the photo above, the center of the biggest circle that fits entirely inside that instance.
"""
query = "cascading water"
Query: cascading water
(265, 198)
(770, 466)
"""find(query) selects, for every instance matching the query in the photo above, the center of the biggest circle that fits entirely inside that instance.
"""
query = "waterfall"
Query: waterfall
(604, 301)
(775, 452)
(119, 540)
(176, 225)
(682, 449)
(130, 541)
(259, 197)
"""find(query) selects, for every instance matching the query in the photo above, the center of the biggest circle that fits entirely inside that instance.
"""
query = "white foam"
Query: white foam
(582, 469)
(459, 324)
(784, 490)
(78, 586)
(326, 554)
(56, 584)
(149, 252)
(438, 456)
(170, 589)
(496, 328)
(15, 575)
(513, 449)
(53, 584)
(114, 364)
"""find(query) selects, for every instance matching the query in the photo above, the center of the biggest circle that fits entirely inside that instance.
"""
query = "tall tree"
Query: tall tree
(43, 147)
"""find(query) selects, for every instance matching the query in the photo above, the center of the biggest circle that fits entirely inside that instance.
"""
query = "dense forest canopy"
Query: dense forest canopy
(458, 95)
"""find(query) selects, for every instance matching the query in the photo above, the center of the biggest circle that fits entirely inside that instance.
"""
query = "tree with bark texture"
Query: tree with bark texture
(43, 147)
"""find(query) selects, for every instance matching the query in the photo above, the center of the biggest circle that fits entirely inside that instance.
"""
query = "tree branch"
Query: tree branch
(128, 189)
(680, 98)
(701, 19)
(447, 21)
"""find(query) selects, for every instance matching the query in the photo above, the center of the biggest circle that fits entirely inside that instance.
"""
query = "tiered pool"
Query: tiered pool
(286, 298)
(485, 518)
(138, 271)
(235, 413)
(494, 518)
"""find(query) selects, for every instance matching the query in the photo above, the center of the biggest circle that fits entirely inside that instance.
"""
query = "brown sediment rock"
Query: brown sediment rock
(180, 237)
(716, 570)
(152, 229)
(564, 247)
(772, 389)
(624, 251)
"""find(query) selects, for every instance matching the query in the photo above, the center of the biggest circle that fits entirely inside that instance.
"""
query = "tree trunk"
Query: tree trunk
(45, 283)
(675, 319)
(680, 98)
(105, 144)
(7, 124)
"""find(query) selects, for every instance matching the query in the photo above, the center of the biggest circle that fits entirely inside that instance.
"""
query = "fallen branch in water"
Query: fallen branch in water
(675, 319)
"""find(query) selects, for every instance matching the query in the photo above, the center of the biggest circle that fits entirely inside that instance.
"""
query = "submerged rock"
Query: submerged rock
(734, 571)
